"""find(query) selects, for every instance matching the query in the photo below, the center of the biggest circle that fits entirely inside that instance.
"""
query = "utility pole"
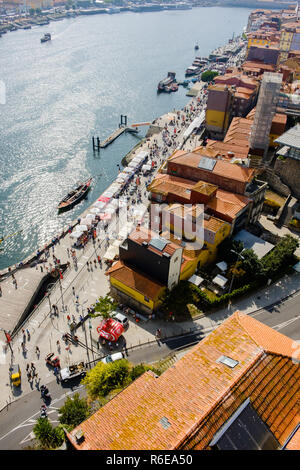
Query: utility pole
(61, 291)
(86, 343)
(90, 328)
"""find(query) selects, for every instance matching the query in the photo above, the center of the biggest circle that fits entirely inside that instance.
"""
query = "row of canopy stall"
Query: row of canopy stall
(110, 201)
(137, 163)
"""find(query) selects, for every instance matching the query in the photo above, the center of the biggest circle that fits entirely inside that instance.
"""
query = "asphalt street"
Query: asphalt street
(17, 421)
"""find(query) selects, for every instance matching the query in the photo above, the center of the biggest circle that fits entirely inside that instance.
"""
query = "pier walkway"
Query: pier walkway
(115, 135)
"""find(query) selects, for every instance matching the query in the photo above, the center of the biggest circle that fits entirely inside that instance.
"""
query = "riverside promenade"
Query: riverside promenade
(17, 291)
(90, 282)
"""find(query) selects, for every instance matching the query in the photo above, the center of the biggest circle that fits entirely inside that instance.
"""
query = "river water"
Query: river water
(61, 93)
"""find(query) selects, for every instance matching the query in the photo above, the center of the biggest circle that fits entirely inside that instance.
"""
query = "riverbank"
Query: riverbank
(156, 128)
(10, 23)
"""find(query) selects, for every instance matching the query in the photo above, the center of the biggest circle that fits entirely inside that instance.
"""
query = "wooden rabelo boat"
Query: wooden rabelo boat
(75, 196)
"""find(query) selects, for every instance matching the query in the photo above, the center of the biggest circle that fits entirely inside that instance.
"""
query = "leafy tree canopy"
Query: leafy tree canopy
(74, 411)
(208, 75)
(48, 436)
(103, 378)
(105, 306)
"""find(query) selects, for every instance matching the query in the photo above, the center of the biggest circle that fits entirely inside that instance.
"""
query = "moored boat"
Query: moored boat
(166, 82)
(75, 196)
(46, 37)
(192, 70)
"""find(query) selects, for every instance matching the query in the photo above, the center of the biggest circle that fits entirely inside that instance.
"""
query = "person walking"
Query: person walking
(37, 351)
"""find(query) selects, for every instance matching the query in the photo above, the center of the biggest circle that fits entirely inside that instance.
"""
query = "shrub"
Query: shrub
(103, 378)
(208, 75)
(74, 411)
(48, 436)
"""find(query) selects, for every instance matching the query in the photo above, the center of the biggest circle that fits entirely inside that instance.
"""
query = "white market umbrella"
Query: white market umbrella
(90, 216)
(82, 227)
(114, 203)
(86, 222)
(95, 210)
(120, 179)
(99, 204)
(133, 164)
(128, 170)
(76, 234)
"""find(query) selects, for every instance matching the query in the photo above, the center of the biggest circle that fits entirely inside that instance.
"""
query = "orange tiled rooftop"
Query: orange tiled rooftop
(134, 279)
(193, 399)
(222, 168)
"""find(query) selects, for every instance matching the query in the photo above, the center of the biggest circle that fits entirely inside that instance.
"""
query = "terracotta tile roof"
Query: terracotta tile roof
(142, 234)
(258, 66)
(242, 92)
(190, 401)
(135, 279)
(210, 223)
(294, 443)
(228, 204)
(169, 184)
(240, 149)
(223, 168)
(243, 78)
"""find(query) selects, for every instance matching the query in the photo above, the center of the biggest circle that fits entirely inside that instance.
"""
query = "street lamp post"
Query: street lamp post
(61, 291)
(90, 328)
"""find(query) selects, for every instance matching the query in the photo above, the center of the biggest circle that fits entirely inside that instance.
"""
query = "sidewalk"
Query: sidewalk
(49, 330)
(89, 284)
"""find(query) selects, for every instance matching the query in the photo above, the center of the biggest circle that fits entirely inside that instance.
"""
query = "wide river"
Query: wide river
(61, 93)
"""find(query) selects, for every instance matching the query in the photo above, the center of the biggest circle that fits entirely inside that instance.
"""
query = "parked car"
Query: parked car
(72, 371)
(112, 357)
(121, 319)
(15, 375)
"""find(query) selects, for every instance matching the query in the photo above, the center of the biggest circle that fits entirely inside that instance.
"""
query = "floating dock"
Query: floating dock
(116, 134)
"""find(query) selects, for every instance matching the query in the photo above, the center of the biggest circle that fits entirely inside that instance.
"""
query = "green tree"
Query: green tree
(139, 369)
(104, 378)
(74, 411)
(281, 256)
(250, 268)
(48, 436)
(208, 75)
(31, 11)
(104, 306)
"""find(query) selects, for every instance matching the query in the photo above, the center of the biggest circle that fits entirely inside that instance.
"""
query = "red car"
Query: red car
(52, 361)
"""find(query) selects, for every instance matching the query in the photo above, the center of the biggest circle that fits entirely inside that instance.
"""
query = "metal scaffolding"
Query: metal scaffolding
(265, 110)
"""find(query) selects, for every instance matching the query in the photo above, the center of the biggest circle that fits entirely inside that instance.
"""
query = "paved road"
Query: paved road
(283, 317)
(17, 421)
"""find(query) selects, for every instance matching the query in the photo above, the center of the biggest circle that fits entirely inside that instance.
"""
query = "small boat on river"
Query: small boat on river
(75, 196)
(46, 37)
(165, 84)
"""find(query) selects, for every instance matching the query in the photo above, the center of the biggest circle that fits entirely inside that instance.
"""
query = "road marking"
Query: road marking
(28, 438)
(279, 326)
